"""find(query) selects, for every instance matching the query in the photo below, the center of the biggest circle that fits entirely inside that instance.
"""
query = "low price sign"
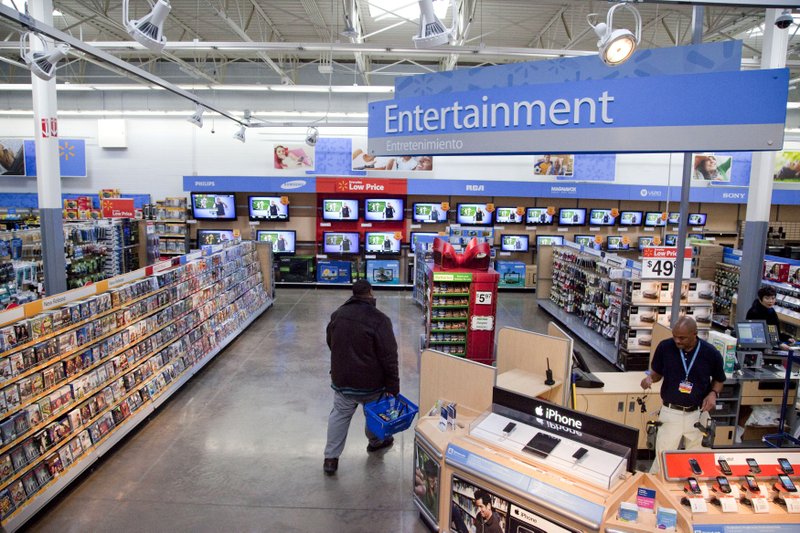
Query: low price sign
(658, 262)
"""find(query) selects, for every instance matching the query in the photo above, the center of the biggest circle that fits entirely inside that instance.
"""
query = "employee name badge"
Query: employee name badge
(685, 387)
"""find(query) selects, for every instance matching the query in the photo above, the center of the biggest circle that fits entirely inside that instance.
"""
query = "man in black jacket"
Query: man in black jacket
(363, 366)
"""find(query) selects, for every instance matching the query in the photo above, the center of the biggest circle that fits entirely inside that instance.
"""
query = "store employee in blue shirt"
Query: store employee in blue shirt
(693, 374)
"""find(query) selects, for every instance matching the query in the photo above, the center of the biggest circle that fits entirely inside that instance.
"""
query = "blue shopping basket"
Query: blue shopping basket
(389, 415)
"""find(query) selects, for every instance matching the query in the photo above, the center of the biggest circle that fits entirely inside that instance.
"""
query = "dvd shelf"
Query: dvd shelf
(76, 378)
(171, 228)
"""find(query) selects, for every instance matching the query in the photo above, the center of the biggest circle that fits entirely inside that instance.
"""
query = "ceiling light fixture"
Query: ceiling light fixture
(197, 117)
(41, 62)
(616, 46)
(431, 30)
(148, 30)
(239, 135)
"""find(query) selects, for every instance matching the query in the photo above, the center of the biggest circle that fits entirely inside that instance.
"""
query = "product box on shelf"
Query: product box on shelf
(776, 271)
(794, 275)
(726, 344)
(383, 272)
(530, 276)
(639, 340)
(329, 271)
(701, 315)
(700, 291)
(512, 273)
(642, 316)
(645, 292)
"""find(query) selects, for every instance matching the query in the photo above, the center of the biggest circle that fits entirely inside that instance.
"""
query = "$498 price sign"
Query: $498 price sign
(659, 263)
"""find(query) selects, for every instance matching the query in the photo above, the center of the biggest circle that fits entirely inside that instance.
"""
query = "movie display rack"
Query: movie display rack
(171, 227)
(83, 368)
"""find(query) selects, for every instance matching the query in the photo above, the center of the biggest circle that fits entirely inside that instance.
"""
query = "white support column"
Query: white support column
(759, 198)
(48, 179)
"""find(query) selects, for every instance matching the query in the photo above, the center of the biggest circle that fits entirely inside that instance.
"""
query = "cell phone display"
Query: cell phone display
(724, 486)
(726, 469)
(695, 466)
(786, 483)
(754, 468)
(785, 465)
(509, 427)
(751, 484)
(694, 486)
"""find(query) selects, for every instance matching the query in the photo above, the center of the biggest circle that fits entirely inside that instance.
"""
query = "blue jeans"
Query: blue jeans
(344, 406)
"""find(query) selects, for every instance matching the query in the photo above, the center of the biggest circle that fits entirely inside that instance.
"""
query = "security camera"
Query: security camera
(311, 136)
(784, 20)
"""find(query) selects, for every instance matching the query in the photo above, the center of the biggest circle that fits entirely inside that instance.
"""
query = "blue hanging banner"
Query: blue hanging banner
(71, 158)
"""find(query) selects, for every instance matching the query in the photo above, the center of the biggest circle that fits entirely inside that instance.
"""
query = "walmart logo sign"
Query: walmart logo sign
(71, 156)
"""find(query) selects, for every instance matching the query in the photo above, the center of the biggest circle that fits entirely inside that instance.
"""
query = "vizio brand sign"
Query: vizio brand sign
(591, 116)
(650, 193)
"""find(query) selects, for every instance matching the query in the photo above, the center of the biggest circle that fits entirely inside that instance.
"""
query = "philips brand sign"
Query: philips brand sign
(647, 114)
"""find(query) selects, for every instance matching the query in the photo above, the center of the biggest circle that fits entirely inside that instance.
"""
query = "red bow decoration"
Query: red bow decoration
(474, 257)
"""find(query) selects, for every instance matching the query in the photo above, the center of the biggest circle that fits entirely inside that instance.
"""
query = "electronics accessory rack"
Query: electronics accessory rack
(171, 226)
(150, 331)
(727, 279)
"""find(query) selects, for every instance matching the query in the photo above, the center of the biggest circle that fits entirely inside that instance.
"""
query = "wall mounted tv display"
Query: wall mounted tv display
(653, 219)
(339, 209)
(428, 213)
(507, 215)
(514, 243)
(340, 242)
(382, 242)
(572, 216)
(267, 208)
(697, 219)
(614, 242)
(644, 242)
(213, 206)
(473, 215)
(383, 209)
(213, 236)
(549, 240)
(674, 219)
(283, 242)
(670, 240)
(537, 216)
(414, 234)
(630, 218)
(586, 240)
(601, 217)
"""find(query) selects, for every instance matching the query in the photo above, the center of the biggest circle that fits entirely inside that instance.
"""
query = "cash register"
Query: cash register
(757, 344)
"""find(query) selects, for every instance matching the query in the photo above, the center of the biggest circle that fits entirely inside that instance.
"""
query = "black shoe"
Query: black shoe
(330, 466)
(385, 443)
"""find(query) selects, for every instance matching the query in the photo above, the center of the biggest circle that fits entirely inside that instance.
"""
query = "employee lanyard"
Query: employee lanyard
(683, 360)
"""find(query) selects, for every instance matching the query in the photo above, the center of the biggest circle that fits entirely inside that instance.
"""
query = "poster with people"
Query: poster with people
(554, 165)
(426, 481)
(787, 166)
(362, 160)
(712, 167)
(473, 508)
(288, 156)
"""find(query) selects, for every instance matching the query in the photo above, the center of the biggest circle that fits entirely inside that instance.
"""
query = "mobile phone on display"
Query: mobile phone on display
(694, 486)
(724, 486)
(725, 467)
(509, 428)
(695, 466)
(785, 465)
(754, 468)
(786, 483)
(751, 484)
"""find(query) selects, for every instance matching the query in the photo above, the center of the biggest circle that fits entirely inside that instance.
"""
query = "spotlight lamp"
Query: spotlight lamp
(239, 135)
(197, 117)
(431, 30)
(312, 136)
(616, 45)
(148, 30)
(41, 62)
(350, 14)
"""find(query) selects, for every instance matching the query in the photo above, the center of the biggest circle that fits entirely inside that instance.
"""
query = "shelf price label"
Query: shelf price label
(658, 262)
(483, 297)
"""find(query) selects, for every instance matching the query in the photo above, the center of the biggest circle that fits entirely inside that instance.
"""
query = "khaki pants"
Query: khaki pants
(677, 425)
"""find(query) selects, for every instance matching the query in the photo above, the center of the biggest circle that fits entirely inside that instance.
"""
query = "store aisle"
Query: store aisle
(240, 447)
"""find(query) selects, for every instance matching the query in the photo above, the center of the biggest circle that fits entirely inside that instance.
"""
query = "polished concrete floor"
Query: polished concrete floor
(239, 448)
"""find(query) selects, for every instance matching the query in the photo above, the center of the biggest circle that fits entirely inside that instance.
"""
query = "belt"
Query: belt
(681, 407)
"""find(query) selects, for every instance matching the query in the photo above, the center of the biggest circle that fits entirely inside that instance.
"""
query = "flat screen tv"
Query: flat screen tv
(267, 208)
(549, 240)
(514, 243)
(670, 240)
(428, 213)
(338, 242)
(382, 242)
(697, 219)
(601, 217)
(644, 242)
(616, 242)
(695, 236)
(213, 236)
(630, 218)
(415, 234)
(653, 219)
(537, 216)
(586, 240)
(507, 215)
(473, 215)
(283, 242)
(674, 218)
(213, 206)
(572, 216)
(339, 209)
(383, 209)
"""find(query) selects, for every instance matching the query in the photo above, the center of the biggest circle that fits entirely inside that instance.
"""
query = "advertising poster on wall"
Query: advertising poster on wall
(362, 160)
(71, 158)
(293, 156)
(712, 167)
(12, 157)
(554, 165)
(476, 509)
(787, 167)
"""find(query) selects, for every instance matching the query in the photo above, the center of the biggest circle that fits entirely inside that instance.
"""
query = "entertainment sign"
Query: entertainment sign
(699, 112)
